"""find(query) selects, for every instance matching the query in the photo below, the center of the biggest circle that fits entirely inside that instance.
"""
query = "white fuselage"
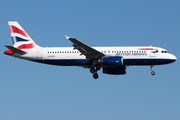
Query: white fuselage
(67, 56)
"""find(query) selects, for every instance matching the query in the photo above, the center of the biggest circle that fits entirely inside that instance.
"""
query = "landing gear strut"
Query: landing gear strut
(94, 68)
(152, 72)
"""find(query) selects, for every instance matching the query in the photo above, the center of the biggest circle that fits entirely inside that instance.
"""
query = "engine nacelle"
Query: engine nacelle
(111, 61)
(115, 70)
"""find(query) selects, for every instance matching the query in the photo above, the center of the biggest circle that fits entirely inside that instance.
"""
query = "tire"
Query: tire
(95, 76)
(92, 70)
(152, 73)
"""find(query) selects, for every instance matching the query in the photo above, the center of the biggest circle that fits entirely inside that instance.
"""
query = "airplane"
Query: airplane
(112, 60)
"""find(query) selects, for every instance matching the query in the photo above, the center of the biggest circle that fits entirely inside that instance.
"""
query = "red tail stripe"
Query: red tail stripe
(27, 46)
(14, 29)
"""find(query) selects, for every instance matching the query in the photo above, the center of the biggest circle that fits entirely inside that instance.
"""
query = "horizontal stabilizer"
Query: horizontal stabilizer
(15, 50)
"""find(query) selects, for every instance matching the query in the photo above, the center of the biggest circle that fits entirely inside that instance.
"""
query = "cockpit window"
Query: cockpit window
(164, 51)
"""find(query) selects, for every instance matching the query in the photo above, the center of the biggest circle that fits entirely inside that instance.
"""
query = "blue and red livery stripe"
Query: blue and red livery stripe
(155, 50)
(148, 49)
(18, 39)
(26, 46)
(14, 29)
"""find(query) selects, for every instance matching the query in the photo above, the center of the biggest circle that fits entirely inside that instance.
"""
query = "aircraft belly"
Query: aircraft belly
(158, 61)
(64, 62)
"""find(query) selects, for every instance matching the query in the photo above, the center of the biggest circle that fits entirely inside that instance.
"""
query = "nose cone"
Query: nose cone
(172, 58)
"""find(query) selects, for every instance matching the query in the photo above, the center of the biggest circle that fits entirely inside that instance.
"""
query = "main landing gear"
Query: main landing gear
(152, 72)
(94, 71)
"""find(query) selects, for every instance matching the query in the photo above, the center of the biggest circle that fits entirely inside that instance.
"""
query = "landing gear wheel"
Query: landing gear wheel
(152, 73)
(92, 70)
(95, 76)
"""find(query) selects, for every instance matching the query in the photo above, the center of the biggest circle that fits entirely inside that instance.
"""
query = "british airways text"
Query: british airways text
(132, 54)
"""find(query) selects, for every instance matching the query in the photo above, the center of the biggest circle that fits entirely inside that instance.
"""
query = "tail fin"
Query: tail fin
(21, 39)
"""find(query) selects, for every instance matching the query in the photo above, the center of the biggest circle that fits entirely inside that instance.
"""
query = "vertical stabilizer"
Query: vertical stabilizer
(21, 39)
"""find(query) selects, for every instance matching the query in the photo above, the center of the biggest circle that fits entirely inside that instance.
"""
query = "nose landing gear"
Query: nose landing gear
(152, 72)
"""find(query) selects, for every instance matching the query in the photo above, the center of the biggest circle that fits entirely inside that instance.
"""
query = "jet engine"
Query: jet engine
(115, 70)
(111, 61)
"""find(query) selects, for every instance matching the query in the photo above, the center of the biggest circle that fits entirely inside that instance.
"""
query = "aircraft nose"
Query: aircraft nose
(173, 58)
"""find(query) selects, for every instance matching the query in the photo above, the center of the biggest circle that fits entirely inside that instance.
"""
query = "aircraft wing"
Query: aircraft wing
(89, 52)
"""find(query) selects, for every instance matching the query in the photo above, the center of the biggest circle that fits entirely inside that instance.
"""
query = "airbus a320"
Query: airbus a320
(112, 60)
